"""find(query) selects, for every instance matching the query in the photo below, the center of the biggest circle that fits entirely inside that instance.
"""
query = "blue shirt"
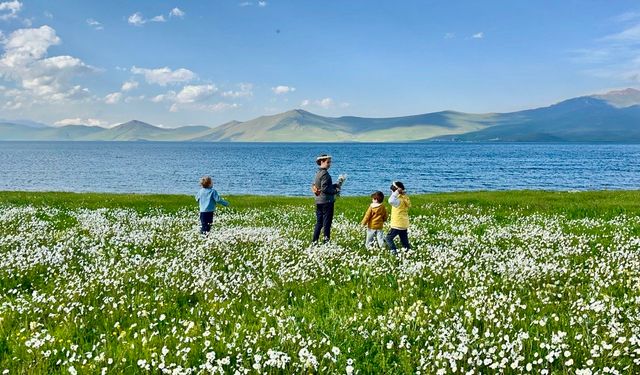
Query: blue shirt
(207, 198)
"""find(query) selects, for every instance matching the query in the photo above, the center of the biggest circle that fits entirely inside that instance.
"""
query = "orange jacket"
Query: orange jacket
(375, 217)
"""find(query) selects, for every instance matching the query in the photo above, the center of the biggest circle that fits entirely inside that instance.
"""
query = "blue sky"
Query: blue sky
(174, 63)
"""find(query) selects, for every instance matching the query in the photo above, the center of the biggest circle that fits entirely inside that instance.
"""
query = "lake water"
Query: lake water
(288, 169)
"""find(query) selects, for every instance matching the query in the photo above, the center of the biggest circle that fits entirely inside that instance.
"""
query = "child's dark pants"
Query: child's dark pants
(404, 239)
(206, 219)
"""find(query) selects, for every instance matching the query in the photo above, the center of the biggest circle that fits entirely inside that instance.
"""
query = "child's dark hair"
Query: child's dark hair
(206, 182)
(378, 196)
(397, 185)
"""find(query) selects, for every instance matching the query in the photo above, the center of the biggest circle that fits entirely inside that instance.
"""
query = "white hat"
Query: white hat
(323, 157)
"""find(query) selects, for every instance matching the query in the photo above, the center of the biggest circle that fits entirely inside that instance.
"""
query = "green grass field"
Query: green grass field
(496, 282)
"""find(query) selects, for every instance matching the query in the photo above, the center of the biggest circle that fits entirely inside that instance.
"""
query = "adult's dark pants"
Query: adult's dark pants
(206, 219)
(404, 239)
(324, 218)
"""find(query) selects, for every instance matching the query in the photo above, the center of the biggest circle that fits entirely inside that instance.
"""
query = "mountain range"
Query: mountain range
(610, 117)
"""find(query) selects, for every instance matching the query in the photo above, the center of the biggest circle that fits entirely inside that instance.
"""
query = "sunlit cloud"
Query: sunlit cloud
(614, 56)
(9, 9)
(113, 98)
(95, 24)
(137, 19)
(245, 90)
(219, 107)
(39, 77)
(81, 121)
(159, 18)
(279, 90)
(165, 76)
(260, 4)
(195, 93)
(129, 85)
(176, 12)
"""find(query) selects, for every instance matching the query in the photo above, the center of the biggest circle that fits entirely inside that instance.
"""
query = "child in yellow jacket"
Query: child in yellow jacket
(400, 204)
(374, 219)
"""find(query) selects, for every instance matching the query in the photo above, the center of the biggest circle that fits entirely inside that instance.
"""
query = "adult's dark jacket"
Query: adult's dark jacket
(326, 186)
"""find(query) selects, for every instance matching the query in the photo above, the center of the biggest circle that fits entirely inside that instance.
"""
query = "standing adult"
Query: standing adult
(325, 191)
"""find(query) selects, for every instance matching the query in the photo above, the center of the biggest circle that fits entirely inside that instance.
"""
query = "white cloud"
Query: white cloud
(191, 96)
(449, 35)
(95, 24)
(219, 107)
(48, 14)
(177, 12)
(627, 16)
(195, 93)
(614, 56)
(113, 98)
(325, 103)
(136, 19)
(170, 95)
(80, 121)
(278, 90)
(24, 61)
(9, 9)
(259, 3)
(165, 76)
(27, 45)
(129, 85)
(245, 91)
(632, 34)
(479, 35)
(131, 99)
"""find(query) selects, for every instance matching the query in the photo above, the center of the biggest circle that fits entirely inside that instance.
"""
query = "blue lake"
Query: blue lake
(288, 169)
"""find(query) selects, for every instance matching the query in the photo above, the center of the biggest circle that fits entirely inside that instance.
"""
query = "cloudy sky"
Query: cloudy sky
(174, 63)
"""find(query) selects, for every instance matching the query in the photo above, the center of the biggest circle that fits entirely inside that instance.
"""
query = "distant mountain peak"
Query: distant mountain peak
(134, 124)
(621, 98)
(298, 112)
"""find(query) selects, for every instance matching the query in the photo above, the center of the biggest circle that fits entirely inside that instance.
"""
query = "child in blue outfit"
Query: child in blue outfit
(207, 198)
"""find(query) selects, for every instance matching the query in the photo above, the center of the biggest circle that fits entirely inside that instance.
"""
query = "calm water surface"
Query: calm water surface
(288, 169)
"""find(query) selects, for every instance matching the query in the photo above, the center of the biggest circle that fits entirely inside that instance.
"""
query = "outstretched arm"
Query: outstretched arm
(218, 199)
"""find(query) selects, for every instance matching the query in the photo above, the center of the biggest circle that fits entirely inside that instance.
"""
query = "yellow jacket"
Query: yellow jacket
(400, 205)
(375, 217)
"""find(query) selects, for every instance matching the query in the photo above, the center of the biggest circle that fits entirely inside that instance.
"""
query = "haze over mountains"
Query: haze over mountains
(610, 117)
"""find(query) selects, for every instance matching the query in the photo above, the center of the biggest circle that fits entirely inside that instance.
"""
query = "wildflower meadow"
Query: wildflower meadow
(504, 282)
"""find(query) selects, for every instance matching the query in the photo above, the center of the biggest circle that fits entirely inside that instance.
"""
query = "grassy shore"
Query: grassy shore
(510, 282)
(578, 204)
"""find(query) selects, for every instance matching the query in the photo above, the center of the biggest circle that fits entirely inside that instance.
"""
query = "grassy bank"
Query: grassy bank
(578, 204)
(511, 282)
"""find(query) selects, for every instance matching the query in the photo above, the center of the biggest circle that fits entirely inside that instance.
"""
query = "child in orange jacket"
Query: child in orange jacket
(374, 219)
